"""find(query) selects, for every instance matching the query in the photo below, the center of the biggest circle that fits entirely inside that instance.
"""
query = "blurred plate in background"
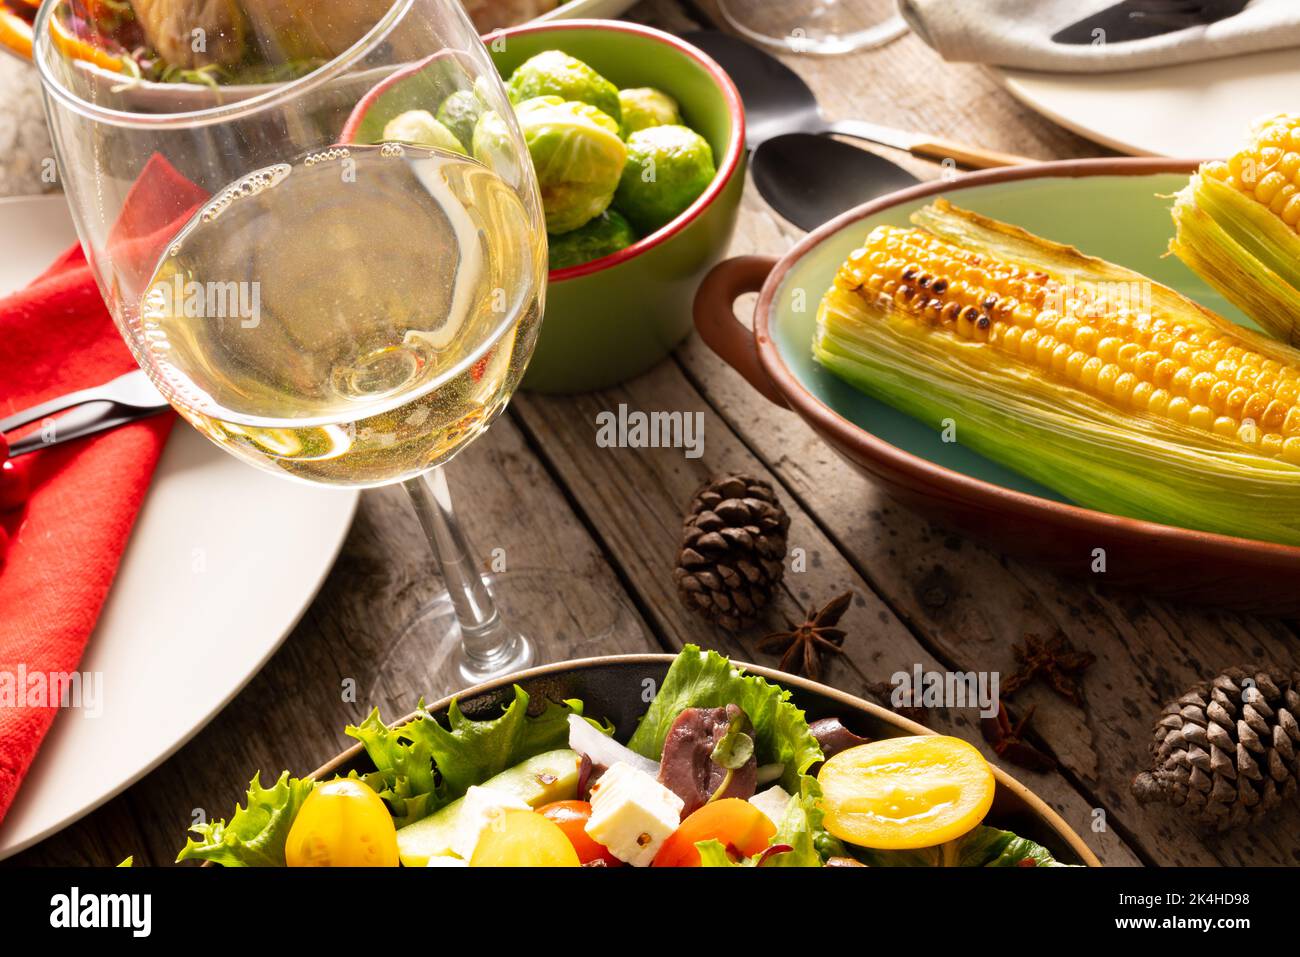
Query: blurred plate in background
(1190, 111)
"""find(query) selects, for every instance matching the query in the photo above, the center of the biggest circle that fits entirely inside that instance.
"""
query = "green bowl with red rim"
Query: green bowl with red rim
(614, 318)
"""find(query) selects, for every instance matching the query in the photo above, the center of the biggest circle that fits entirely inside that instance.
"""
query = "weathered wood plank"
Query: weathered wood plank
(293, 713)
(966, 604)
(634, 498)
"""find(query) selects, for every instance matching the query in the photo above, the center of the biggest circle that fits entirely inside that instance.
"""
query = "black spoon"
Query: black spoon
(777, 101)
(810, 179)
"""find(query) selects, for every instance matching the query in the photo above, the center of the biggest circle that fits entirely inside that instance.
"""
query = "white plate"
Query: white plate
(1193, 111)
(222, 562)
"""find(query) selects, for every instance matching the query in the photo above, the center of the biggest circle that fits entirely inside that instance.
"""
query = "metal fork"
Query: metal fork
(124, 399)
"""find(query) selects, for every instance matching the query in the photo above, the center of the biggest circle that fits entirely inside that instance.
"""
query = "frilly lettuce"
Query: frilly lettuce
(983, 847)
(705, 679)
(420, 765)
(423, 765)
(257, 831)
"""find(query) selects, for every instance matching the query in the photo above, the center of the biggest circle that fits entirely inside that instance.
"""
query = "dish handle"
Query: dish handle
(715, 318)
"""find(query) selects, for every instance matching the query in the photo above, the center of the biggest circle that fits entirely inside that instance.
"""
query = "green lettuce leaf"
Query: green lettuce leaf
(424, 765)
(257, 831)
(404, 775)
(990, 847)
(802, 830)
(705, 679)
(983, 847)
(713, 854)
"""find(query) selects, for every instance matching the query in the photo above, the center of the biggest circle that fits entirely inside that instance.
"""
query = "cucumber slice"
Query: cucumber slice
(548, 777)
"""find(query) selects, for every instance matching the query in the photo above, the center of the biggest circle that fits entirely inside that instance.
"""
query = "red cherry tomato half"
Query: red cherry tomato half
(739, 826)
(4, 447)
(4, 545)
(572, 817)
(14, 487)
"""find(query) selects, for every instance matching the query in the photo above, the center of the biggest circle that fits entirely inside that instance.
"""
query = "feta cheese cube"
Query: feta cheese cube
(632, 814)
(481, 807)
(773, 802)
(447, 861)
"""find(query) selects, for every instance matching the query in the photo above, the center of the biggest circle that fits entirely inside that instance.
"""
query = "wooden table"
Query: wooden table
(538, 487)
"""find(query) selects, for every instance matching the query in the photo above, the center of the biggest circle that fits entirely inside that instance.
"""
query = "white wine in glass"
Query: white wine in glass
(339, 314)
(397, 294)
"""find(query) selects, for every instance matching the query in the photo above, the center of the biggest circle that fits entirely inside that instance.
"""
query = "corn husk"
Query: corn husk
(1089, 450)
(1243, 250)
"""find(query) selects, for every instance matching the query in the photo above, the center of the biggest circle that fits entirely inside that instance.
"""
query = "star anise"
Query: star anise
(801, 646)
(1009, 742)
(1057, 661)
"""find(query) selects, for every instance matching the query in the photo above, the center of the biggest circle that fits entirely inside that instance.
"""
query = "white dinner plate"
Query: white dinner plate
(222, 562)
(1191, 111)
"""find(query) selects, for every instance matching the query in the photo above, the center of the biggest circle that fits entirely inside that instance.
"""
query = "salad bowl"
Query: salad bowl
(1116, 209)
(615, 688)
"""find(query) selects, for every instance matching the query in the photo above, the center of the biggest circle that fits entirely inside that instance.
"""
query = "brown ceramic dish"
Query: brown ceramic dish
(1113, 208)
(611, 687)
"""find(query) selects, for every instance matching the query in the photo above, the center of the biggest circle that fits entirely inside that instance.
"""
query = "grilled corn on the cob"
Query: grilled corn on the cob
(1115, 391)
(1237, 223)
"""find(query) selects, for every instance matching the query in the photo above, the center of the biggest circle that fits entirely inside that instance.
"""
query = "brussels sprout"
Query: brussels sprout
(460, 113)
(645, 106)
(554, 73)
(607, 233)
(419, 128)
(575, 149)
(667, 168)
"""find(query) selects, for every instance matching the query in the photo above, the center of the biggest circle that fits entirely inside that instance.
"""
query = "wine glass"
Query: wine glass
(816, 26)
(336, 311)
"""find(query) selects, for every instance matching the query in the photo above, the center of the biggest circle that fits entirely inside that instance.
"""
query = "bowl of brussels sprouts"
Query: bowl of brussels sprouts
(637, 139)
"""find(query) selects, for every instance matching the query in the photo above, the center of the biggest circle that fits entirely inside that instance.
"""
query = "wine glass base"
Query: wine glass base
(554, 616)
(818, 28)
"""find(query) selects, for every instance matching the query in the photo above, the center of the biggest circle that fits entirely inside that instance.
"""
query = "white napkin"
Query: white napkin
(1018, 33)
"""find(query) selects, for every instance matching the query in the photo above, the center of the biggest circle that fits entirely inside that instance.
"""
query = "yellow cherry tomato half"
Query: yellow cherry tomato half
(519, 838)
(901, 793)
(342, 823)
(740, 827)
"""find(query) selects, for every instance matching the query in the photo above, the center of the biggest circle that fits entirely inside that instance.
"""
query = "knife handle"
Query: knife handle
(971, 157)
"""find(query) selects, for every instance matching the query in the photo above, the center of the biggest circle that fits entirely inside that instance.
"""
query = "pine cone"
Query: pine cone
(1228, 751)
(733, 550)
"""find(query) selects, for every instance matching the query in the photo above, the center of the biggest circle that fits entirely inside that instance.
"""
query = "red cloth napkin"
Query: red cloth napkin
(56, 337)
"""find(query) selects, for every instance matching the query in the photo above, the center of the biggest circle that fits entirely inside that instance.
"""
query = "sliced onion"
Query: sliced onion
(604, 750)
(767, 773)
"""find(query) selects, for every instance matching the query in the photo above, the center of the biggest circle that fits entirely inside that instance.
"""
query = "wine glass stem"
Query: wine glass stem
(488, 644)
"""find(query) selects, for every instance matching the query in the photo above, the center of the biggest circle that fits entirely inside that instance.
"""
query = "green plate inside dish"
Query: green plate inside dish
(1123, 219)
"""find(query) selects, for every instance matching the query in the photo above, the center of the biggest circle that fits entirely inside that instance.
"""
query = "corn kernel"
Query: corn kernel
(1269, 185)
(1088, 376)
(1201, 417)
(1291, 211)
(1226, 426)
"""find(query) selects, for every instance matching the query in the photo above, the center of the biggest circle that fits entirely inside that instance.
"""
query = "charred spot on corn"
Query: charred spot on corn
(1117, 392)
(1197, 375)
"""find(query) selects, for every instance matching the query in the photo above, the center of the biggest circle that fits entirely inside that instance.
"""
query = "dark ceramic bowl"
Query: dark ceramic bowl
(1117, 209)
(611, 687)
